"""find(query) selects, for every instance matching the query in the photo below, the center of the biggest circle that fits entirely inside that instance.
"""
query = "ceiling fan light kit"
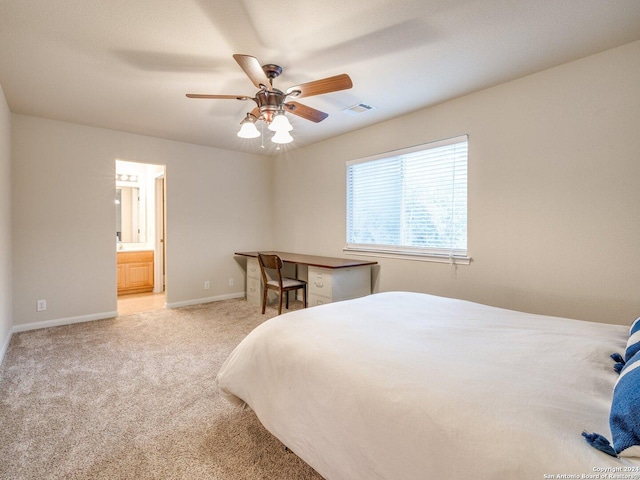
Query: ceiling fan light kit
(271, 102)
(248, 127)
(280, 123)
(281, 137)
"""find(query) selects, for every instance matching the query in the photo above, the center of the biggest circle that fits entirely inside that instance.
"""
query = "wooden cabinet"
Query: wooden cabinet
(135, 272)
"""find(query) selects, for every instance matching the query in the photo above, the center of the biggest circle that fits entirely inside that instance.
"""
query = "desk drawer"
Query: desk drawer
(320, 282)
(314, 300)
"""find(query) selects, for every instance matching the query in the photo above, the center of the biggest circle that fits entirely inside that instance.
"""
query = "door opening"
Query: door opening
(140, 236)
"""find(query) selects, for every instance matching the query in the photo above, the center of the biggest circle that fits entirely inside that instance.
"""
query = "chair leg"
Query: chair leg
(304, 297)
(287, 296)
(264, 300)
(280, 304)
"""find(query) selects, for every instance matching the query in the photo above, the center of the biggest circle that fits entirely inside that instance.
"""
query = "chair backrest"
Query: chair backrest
(272, 262)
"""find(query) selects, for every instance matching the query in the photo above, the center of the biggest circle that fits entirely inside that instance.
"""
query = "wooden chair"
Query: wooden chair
(282, 285)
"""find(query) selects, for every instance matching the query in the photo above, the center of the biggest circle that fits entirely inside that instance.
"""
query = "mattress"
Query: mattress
(402, 385)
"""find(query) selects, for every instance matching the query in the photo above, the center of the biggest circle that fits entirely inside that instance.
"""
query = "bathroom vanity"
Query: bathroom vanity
(135, 271)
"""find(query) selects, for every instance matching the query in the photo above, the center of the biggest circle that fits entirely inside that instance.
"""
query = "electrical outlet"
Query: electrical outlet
(207, 285)
(231, 282)
(41, 306)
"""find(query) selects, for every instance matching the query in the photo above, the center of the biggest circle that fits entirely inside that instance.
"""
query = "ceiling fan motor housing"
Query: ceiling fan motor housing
(269, 102)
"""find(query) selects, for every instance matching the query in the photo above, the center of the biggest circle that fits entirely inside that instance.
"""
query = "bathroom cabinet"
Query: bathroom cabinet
(135, 272)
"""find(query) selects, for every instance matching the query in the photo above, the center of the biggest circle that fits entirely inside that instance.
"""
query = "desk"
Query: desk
(329, 279)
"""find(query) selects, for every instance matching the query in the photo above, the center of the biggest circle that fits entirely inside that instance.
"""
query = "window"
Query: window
(410, 202)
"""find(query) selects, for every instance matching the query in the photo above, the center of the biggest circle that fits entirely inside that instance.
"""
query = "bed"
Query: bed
(401, 385)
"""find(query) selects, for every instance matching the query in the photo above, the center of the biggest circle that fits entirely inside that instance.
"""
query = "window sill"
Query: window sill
(420, 257)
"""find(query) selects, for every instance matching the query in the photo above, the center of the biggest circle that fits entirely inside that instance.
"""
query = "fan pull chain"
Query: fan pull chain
(262, 135)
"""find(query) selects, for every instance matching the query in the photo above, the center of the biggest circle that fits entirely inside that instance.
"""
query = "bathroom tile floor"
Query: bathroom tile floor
(140, 302)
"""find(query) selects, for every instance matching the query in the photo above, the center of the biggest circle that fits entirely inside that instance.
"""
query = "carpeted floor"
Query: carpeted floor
(134, 398)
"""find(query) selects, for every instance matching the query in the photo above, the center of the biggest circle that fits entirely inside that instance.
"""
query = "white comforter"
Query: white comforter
(411, 386)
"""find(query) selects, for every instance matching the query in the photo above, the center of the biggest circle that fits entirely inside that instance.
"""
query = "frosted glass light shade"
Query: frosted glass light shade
(280, 123)
(282, 137)
(248, 130)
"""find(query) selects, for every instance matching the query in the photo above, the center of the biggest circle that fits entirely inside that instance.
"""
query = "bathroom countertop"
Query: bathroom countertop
(133, 248)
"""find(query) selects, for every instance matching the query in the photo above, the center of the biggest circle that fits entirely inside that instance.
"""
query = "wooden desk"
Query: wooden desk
(330, 279)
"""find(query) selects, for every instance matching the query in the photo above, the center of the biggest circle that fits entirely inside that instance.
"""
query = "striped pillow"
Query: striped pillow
(624, 419)
(625, 412)
(633, 344)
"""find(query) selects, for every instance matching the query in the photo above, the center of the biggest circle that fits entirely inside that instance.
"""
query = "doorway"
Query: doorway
(140, 236)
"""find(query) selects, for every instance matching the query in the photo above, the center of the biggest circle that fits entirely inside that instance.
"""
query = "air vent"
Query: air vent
(358, 109)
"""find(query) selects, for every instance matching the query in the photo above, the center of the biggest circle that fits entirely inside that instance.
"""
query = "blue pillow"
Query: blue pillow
(633, 344)
(624, 419)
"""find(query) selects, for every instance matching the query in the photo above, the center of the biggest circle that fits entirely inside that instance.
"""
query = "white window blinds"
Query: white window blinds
(411, 201)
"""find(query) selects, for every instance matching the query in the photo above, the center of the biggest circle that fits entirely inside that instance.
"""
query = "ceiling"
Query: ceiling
(127, 65)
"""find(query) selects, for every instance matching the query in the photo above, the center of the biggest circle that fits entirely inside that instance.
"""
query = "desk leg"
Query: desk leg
(254, 282)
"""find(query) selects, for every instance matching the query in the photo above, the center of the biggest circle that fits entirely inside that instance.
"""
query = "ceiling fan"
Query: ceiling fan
(272, 103)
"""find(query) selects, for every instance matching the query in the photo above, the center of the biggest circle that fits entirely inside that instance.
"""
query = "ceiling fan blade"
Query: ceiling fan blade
(318, 87)
(253, 69)
(305, 112)
(230, 97)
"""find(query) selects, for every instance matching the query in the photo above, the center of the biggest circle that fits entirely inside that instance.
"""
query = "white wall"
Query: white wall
(64, 244)
(6, 290)
(554, 190)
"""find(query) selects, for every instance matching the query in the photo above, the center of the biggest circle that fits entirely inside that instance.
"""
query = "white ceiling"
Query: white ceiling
(127, 64)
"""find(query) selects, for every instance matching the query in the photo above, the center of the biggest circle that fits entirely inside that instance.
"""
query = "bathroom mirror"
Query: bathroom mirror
(130, 217)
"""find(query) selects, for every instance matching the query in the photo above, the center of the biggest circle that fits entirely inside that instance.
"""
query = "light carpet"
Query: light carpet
(134, 398)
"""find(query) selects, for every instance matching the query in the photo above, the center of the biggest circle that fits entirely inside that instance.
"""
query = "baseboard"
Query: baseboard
(100, 316)
(63, 321)
(198, 301)
(4, 347)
